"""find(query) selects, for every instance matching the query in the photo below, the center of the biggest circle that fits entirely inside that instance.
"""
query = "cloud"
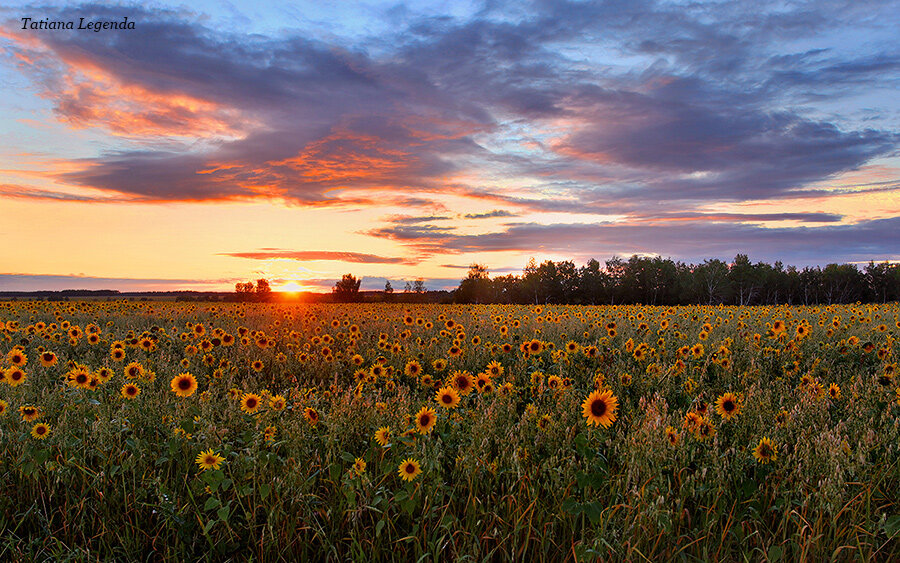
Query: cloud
(491, 214)
(866, 240)
(52, 282)
(311, 255)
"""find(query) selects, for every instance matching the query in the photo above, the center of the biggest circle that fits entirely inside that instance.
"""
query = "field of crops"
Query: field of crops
(436, 433)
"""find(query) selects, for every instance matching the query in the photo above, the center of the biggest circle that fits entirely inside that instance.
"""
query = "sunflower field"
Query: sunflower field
(226, 431)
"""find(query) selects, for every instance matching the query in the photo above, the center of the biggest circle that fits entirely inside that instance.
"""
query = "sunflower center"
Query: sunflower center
(447, 399)
(410, 468)
(728, 406)
(598, 407)
(184, 384)
(424, 420)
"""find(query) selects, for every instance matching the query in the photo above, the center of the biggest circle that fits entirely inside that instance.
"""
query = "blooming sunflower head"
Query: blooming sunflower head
(409, 469)
(600, 407)
(183, 384)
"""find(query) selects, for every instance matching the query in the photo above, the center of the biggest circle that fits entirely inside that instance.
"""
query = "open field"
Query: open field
(432, 433)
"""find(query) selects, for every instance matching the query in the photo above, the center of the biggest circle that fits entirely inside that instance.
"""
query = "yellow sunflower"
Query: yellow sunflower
(40, 430)
(409, 469)
(425, 420)
(183, 385)
(130, 391)
(209, 460)
(447, 397)
(250, 403)
(728, 406)
(311, 415)
(765, 451)
(599, 408)
(383, 436)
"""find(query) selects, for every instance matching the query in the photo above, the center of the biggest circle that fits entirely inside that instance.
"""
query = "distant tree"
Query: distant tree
(243, 290)
(407, 288)
(712, 277)
(419, 285)
(476, 287)
(263, 289)
(347, 290)
(388, 288)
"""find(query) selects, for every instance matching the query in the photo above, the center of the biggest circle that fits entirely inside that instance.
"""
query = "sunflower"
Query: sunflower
(535, 346)
(554, 382)
(409, 469)
(728, 406)
(447, 397)
(250, 403)
(269, 433)
(383, 436)
(704, 430)
(599, 408)
(672, 436)
(14, 376)
(130, 391)
(782, 418)
(104, 374)
(117, 354)
(834, 391)
(462, 381)
(3, 407)
(184, 385)
(134, 370)
(40, 430)
(765, 451)
(425, 420)
(311, 415)
(17, 357)
(79, 377)
(277, 402)
(29, 413)
(48, 359)
(209, 460)
(494, 369)
(257, 366)
(413, 368)
(359, 466)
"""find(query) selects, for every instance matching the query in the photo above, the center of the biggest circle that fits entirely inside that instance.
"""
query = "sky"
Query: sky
(219, 142)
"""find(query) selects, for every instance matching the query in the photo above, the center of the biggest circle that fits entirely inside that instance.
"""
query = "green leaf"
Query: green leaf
(211, 504)
(222, 513)
(891, 526)
(378, 528)
(264, 490)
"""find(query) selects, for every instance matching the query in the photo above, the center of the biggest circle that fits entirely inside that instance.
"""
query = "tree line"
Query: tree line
(662, 281)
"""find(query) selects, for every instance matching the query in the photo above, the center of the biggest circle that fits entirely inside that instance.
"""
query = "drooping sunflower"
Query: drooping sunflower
(209, 460)
(40, 430)
(447, 397)
(184, 384)
(3, 407)
(311, 415)
(250, 403)
(728, 406)
(765, 451)
(383, 436)
(130, 391)
(425, 420)
(599, 408)
(409, 469)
